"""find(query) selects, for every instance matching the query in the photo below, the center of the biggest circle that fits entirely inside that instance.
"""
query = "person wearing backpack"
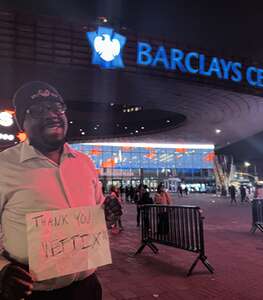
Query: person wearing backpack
(113, 205)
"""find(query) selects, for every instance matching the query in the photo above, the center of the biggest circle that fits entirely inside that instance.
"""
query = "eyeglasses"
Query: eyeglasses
(36, 111)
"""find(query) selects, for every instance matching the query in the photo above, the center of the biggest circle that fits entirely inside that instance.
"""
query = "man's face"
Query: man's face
(46, 125)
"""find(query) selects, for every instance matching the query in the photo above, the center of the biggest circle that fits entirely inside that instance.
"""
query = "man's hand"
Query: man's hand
(16, 283)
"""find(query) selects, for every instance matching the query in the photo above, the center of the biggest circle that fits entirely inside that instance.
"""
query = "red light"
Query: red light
(21, 136)
(11, 112)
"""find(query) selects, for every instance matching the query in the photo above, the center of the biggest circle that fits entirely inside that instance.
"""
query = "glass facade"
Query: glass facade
(126, 165)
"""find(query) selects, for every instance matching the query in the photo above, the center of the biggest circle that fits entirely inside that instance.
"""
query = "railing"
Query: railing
(257, 215)
(177, 226)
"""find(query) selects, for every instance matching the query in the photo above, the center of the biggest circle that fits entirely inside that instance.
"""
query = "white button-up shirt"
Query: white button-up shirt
(30, 182)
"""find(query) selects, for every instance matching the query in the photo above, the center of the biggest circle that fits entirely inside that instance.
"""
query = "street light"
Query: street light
(247, 164)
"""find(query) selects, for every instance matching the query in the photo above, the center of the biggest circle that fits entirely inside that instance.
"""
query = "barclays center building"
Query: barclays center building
(144, 109)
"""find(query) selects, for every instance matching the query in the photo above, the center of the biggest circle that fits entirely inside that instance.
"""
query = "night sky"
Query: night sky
(227, 27)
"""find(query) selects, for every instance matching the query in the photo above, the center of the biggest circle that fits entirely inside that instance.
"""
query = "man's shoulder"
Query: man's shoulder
(11, 154)
(81, 156)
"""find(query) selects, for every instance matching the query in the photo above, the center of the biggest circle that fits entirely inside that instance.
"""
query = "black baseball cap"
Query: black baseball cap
(31, 93)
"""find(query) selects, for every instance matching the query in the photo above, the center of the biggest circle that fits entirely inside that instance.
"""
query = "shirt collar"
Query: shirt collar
(29, 152)
(68, 151)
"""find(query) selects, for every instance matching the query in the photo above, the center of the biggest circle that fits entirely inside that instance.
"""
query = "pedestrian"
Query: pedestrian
(242, 193)
(115, 197)
(127, 193)
(122, 190)
(132, 193)
(40, 174)
(180, 190)
(186, 191)
(232, 191)
(161, 196)
(143, 199)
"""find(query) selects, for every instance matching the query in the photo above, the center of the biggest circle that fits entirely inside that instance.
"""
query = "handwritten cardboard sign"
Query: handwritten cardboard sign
(62, 242)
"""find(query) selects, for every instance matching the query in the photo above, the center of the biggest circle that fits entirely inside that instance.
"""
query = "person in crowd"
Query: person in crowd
(40, 174)
(103, 189)
(258, 192)
(232, 191)
(121, 189)
(127, 193)
(136, 194)
(186, 191)
(180, 190)
(143, 199)
(115, 196)
(243, 193)
(162, 196)
(132, 193)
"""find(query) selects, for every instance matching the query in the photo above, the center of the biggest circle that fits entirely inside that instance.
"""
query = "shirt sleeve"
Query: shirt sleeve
(99, 197)
(168, 197)
(3, 261)
(157, 198)
(98, 192)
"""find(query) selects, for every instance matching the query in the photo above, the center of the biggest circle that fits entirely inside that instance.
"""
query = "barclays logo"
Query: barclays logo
(107, 48)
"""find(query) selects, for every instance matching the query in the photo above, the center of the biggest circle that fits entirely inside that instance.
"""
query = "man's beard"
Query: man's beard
(49, 146)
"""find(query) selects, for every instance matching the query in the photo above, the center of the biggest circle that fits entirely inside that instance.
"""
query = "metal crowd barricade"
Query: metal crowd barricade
(177, 226)
(257, 215)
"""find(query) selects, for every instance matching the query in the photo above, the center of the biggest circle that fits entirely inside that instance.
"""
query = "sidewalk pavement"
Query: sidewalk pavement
(235, 253)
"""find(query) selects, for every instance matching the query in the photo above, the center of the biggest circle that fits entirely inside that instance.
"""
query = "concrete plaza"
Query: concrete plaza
(232, 250)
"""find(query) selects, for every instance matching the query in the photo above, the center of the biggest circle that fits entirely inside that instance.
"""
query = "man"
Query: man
(180, 190)
(43, 173)
(232, 191)
(143, 198)
(243, 193)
